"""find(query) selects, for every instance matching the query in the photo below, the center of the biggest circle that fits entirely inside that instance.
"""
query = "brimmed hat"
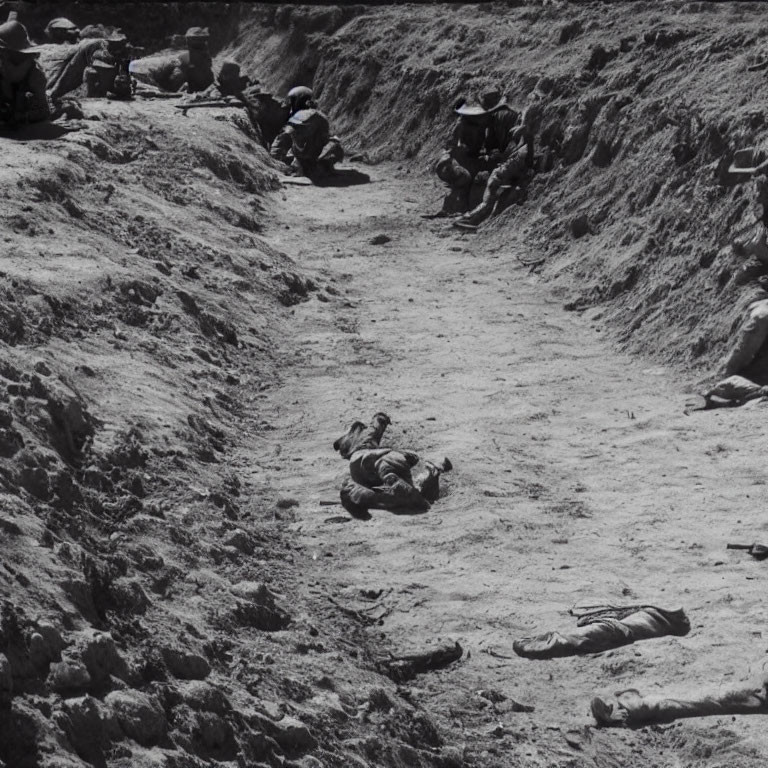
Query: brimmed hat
(471, 110)
(117, 37)
(14, 37)
(197, 33)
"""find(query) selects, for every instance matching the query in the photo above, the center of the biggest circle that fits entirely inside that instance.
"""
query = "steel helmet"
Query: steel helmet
(14, 37)
(61, 23)
(300, 92)
(300, 97)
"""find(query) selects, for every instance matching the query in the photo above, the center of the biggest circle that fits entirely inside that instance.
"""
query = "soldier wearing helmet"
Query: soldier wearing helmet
(306, 146)
(62, 30)
(22, 82)
(300, 97)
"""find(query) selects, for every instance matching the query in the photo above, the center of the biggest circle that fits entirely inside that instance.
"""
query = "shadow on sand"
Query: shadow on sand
(345, 177)
(35, 132)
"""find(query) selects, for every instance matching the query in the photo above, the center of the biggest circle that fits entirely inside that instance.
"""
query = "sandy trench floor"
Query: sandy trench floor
(578, 478)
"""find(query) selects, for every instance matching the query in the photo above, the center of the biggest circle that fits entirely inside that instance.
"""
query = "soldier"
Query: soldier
(465, 162)
(633, 709)
(190, 71)
(380, 478)
(601, 628)
(305, 144)
(108, 73)
(509, 150)
(65, 59)
(22, 83)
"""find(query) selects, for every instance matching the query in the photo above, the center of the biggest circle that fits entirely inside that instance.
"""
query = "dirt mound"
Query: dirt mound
(640, 115)
(151, 608)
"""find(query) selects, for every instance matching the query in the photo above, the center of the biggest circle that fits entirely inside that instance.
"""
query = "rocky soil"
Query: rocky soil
(185, 336)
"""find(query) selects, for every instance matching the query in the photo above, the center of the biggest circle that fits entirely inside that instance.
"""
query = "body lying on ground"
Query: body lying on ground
(23, 97)
(306, 146)
(734, 391)
(630, 708)
(381, 478)
(603, 628)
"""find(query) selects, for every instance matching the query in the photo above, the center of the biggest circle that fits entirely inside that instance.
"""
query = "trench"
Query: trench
(577, 477)
(578, 480)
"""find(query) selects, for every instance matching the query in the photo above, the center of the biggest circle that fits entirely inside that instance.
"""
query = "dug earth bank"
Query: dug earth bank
(184, 340)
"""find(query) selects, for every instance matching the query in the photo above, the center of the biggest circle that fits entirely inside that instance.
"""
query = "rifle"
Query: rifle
(758, 551)
(208, 104)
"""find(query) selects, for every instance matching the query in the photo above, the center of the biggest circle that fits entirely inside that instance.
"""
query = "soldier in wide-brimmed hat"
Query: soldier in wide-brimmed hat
(62, 30)
(466, 162)
(509, 150)
(22, 82)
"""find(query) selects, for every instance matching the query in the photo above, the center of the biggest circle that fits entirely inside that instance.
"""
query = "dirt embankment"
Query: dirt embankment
(154, 611)
(643, 105)
(151, 611)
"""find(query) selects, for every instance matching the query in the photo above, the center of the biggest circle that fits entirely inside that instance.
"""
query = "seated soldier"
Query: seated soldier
(306, 146)
(510, 151)
(189, 71)
(630, 708)
(380, 478)
(466, 161)
(22, 83)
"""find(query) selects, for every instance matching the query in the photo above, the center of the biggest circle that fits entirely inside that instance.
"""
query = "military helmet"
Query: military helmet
(62, 23)
(300, 92)
(14, 37)
(197, 33)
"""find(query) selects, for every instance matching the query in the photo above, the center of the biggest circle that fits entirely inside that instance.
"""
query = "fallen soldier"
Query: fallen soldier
(605, 627)
(733, 392)
(380, 478)
(631, 708)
